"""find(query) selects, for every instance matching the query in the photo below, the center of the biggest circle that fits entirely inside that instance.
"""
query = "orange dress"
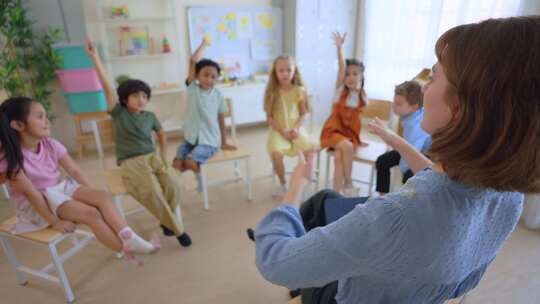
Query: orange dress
(344, 122)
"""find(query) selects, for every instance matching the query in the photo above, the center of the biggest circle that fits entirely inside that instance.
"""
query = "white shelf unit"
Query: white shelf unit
(160, 70)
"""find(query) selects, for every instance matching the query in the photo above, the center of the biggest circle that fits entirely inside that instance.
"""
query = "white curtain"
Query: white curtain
(400, 35)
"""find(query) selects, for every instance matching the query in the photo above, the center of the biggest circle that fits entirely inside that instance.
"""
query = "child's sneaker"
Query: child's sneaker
(350, 191)
(280, 191)
(184, 240)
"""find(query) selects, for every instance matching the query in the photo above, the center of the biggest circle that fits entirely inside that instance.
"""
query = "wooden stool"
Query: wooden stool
(50, 238)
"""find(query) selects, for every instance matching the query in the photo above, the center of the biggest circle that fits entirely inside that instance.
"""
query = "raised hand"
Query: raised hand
(379, 128)
(339, 39)
(90, 48)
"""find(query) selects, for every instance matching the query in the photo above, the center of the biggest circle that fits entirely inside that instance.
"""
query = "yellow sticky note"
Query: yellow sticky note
(221, 28)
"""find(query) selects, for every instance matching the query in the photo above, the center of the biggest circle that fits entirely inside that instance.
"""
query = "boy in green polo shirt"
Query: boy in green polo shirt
(146, 174)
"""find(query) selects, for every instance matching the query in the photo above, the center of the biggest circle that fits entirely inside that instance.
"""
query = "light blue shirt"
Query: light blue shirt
(414, 135)
(430, 241)
(201, 125)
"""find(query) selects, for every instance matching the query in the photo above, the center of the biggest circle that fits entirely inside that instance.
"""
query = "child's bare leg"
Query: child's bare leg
(102, 201)
(79, 212)
(310, 159)
(192, 165)
(337, 183)
(109, 214)
(179, 164)
(279, 167)
(347, 151)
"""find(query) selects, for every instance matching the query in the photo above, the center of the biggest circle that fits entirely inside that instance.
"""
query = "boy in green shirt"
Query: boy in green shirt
(146, 174)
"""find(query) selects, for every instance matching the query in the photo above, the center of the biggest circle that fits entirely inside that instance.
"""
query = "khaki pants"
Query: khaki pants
(156, 186)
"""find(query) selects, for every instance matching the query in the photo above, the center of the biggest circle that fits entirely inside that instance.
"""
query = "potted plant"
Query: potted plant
(27, 60)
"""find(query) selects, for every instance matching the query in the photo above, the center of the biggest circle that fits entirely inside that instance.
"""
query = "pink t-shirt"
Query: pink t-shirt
(41, 168)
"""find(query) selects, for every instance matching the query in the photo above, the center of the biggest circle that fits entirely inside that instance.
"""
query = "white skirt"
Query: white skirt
(61, 193)
(28, 220)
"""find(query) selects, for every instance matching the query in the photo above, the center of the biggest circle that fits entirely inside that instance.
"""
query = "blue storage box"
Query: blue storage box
(86, 102)
(73, 56)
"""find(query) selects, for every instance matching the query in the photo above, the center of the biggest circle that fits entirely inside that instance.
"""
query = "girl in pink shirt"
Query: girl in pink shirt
(30, 161)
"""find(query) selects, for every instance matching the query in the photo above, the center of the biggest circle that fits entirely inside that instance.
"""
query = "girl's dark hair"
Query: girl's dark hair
(355, 62)
(15, 108)
(132, 86)
(358, 63)
(204, 63)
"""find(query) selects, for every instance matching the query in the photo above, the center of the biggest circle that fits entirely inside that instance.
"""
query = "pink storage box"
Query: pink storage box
(80, 80)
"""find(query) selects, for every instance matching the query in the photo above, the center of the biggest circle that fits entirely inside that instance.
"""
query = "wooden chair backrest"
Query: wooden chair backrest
(378, 108)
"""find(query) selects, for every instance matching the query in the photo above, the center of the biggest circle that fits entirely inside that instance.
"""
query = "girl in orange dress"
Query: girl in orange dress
(341, 131)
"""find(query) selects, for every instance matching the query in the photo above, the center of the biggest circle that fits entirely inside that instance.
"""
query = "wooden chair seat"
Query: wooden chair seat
(44, 236)
(226, 155)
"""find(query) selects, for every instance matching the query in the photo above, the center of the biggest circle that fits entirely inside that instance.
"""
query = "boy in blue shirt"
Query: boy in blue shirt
(204, 123)
(408, 103)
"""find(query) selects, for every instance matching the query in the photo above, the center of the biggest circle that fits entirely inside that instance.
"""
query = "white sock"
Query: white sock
(134, 242)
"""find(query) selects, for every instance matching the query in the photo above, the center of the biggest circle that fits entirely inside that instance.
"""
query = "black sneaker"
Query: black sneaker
(294, 293)
(184, 240)
(167, 231)
(251, 234)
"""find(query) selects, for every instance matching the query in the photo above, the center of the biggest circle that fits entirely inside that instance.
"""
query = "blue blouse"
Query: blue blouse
(430, 241)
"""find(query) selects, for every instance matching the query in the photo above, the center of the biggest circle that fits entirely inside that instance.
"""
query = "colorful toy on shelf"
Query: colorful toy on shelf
(133, 41)
(166, 45)
(120, 11)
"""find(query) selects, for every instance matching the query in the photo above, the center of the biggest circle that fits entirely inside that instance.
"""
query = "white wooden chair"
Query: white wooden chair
(367, 155)
(234, 156)
(47, 237)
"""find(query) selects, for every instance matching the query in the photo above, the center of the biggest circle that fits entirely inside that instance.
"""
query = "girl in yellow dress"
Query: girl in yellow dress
(286, 104)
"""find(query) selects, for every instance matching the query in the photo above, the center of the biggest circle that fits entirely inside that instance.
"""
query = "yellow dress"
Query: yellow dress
(285, 112)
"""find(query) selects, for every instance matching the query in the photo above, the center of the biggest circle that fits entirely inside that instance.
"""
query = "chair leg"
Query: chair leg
(117, 200)
(5, 191)
(204, 186)
(237, 174)
(273, 174)
(248, 178)
(327, 173)
(370, 184)
(178, 214)
(318, 171)
(61, 274)
(21, 278)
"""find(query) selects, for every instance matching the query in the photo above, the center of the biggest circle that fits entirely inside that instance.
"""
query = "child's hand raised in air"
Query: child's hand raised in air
(90, 48)
(339, 39)
(228, 147)
(64, 226)
(379, 128)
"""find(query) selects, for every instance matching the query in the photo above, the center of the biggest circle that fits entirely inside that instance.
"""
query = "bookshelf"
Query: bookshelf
(130, 34)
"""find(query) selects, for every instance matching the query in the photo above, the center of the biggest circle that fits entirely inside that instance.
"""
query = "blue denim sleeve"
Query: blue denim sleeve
(367, 241)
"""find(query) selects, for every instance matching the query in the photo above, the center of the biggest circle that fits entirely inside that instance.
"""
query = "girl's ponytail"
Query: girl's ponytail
(15, 108)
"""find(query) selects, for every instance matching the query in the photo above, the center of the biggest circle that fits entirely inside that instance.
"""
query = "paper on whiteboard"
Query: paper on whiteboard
(265, 21)
(244, 25)
(263, 49)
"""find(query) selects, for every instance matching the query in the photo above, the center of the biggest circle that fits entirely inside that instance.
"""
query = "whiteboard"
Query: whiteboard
(243, 40)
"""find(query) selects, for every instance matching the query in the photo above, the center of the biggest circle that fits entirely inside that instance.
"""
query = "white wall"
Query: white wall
(530, 7)
(49, 13)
